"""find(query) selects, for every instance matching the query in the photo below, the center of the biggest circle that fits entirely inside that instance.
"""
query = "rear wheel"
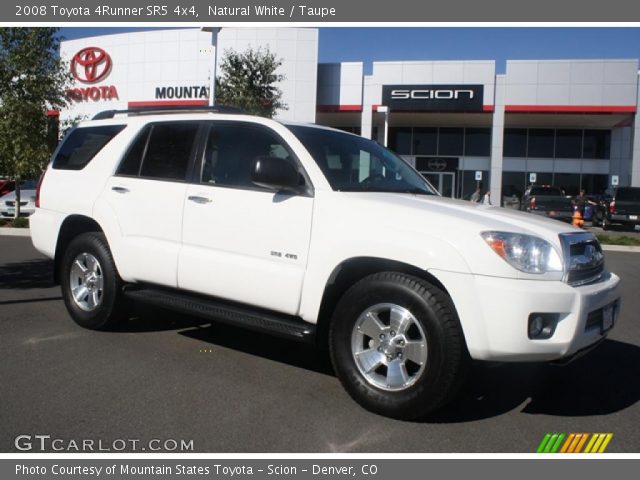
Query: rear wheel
(91, 286)
(397, 346)
(606, 225)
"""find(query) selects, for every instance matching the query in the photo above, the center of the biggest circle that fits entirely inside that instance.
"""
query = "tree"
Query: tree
(248, 81)
(33, 80)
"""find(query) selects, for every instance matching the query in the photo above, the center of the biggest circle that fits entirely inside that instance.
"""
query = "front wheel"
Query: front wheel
(397, 346)
(91, 286)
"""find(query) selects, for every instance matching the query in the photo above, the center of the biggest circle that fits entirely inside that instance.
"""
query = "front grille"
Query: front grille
(10, 204)
(584, 260)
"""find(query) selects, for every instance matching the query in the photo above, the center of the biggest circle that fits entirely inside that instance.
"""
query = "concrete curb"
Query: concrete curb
(620, 248)
(14, 232)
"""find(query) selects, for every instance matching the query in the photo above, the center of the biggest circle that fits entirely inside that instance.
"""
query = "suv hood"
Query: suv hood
(450, 217)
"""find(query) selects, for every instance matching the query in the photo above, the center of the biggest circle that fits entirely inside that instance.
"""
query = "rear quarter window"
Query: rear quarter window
(628, 194)
(82, 145)
(546, 191)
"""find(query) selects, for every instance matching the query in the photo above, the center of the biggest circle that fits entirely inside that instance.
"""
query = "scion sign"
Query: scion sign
(433, 98)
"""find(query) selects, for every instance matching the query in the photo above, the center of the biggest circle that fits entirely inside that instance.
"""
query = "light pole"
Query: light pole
(212, 80)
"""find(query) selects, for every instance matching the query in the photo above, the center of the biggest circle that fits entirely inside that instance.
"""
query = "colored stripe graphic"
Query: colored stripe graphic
(550, 443)
(574, 443)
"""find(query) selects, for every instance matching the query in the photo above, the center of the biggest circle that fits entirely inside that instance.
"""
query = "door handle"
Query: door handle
(120, 189)
(199, 199)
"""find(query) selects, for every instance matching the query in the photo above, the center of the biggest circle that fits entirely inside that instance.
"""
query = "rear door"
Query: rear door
(147, 195)
(240, 241)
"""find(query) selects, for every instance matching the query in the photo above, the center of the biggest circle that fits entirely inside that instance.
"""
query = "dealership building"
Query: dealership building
(570, 123)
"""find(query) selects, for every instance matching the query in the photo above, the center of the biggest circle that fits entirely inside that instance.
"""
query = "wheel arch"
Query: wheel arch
(352, 270)
(71, 227)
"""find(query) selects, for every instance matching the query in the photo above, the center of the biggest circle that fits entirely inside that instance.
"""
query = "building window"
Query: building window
(513, 183)
(568, 182)
(542, 178)
(595, 184)
(515, 142)
(450, 141)
(468, 183)
(425, 141)
(568, 144)
(597, 144)
(400, 140)
(540, 144)
(477, 142)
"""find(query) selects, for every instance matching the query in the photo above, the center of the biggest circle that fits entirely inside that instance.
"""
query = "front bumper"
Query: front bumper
(494, 314)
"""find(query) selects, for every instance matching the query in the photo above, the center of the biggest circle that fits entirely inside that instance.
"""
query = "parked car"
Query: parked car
(548, 201)
(27, 200)
(623, 209)
(319, 236)
(6, 186)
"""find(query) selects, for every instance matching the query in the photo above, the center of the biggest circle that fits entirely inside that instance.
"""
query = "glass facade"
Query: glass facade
(557, 143)
(540, 143)
(515, 183)
(443, 141)
(515, 142)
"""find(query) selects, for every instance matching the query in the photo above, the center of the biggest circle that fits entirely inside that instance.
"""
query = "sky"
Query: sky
(368, 44)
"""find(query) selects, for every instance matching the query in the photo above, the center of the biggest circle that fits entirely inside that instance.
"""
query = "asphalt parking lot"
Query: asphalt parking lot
(164, 376)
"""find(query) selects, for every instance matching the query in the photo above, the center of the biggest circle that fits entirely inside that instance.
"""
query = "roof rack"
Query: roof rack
(166, 111)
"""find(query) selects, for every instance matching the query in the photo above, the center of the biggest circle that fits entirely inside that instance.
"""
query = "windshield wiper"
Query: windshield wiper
(416, 191)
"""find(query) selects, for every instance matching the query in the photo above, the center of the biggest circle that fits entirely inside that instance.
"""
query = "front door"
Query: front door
(242, 242)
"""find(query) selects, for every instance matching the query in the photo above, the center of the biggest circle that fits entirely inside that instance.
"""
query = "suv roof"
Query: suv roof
(166, 110)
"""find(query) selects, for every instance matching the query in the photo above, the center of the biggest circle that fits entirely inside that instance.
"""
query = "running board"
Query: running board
(280, 325)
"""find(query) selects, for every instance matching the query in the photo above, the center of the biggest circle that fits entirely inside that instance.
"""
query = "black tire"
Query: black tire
(433, 313)
(111, 307)
(606, 225)
(595, 222)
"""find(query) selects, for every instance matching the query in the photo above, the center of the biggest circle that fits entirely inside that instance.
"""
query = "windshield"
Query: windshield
(355, 164)
(628, 194)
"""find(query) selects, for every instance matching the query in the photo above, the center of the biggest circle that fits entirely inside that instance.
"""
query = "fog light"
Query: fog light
(542, 326)
(536, 324)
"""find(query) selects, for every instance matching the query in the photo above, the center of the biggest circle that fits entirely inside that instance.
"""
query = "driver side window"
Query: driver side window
(231, 150)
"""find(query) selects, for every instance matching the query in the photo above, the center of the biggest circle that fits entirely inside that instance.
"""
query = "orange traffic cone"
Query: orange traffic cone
(577, 220)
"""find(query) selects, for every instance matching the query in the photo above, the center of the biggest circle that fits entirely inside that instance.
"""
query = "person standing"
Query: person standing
(475, 196)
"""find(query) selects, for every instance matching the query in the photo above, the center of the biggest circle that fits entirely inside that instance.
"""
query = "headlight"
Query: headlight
(526, 253)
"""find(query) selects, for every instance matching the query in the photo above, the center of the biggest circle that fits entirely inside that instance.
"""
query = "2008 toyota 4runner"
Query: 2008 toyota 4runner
(317, 235)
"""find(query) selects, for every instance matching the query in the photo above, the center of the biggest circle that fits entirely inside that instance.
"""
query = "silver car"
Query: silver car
(27, 201)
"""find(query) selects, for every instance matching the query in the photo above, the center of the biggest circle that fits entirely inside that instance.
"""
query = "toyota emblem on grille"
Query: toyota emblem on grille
(90, 65)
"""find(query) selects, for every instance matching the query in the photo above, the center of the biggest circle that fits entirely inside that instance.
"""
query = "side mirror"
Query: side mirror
(277, 174)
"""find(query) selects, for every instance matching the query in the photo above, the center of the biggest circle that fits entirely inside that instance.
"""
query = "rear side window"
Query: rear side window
(546, 191)
(82, 145)
(162, 151)
(628, 194)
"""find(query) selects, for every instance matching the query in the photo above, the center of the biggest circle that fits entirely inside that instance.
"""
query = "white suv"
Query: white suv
(316, 235)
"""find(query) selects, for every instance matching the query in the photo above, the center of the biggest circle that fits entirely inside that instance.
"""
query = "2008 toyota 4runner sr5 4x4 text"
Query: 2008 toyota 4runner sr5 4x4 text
(317, 235)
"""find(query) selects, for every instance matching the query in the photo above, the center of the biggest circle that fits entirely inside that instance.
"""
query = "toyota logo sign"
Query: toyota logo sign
(437, 164)
(90, 65)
